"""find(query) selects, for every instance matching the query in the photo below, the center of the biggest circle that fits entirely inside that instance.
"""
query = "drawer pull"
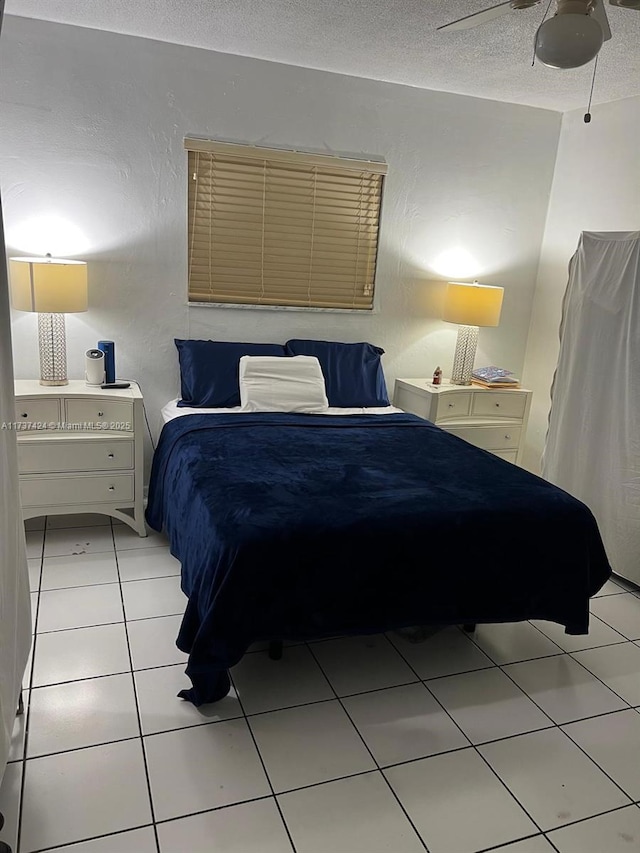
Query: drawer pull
(112, 488)
(508, 437)
(451, 405)
(25, 414)
(497, 405)
(100, 414)
(110, 455)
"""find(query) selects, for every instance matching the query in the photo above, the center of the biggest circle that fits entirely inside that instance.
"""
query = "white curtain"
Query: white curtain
(593, 443)
(15, 610)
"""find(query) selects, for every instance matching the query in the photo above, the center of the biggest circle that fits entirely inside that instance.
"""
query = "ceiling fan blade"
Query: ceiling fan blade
(626, 4)
(478, 18)
(600, 14)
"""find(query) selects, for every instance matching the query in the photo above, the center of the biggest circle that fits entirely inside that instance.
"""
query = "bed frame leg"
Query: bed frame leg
(275, 649)
(469, 627)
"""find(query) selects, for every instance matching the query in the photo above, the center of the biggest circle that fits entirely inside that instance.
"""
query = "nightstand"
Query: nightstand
(491, 419)
(80, 449)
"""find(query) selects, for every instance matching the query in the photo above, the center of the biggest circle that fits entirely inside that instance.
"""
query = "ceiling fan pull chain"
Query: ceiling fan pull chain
(587, 115)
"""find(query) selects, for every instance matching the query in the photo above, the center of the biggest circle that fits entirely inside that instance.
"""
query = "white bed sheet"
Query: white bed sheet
(171, 410)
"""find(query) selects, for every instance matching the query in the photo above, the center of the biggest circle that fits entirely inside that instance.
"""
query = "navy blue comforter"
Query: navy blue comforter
(300, 526)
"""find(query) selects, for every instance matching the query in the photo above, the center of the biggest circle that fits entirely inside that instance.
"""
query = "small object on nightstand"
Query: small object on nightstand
(437, 376)
(109, 350)
(115, 384)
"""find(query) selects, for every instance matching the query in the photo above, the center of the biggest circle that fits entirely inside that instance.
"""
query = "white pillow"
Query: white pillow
(276, 384)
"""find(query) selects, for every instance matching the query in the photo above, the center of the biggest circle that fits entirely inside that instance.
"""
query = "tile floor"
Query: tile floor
(518, 739)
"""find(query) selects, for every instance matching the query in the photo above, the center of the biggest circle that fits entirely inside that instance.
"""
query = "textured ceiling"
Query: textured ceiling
(391, 40)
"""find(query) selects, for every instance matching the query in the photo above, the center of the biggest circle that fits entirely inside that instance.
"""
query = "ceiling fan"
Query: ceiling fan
(572, 37)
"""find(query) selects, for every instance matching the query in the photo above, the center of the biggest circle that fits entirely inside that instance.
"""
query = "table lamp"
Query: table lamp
(51, 287)
(471, 306)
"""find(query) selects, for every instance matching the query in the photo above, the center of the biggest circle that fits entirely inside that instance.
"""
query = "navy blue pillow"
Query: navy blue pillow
(352, 372)
(209, 371)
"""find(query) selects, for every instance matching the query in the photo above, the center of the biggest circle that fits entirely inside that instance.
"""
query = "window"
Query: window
(270, 227)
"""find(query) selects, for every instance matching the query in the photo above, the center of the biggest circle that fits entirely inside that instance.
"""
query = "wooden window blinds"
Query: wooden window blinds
(270, 227)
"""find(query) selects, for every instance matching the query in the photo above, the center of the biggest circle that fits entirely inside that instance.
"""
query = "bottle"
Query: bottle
(437, 376)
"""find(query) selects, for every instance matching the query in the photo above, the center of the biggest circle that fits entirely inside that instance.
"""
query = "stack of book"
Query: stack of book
(494, 377)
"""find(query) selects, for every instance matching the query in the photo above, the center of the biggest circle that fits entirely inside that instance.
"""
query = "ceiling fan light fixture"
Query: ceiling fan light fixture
(568, 40)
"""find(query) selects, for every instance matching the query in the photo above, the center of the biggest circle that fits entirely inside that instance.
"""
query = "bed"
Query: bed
(299, 526)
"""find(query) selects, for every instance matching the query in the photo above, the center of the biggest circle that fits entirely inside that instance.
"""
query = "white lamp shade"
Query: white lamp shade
(48, 285)
(568, 41)
(472, 304)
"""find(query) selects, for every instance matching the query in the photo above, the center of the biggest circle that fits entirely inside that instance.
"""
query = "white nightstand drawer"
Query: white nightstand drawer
(37, 414)
(63, 491)
(455, 405)
(509, 455)
(499, 404)
(49, 457)
(99, 414)
(489, 438)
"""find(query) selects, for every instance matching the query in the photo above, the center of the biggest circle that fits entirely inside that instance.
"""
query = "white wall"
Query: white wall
(596, 187)
(92, 132)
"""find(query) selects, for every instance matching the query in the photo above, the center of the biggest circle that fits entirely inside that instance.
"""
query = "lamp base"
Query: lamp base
(464, 355)
(52, 342)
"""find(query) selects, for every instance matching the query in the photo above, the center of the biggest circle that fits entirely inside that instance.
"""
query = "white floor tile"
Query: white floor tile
(62, 542)
(403, 723)
(83, 653)
(304, 746)
(153, 642)
(247, 828)
(135, 841)
(539, 844)
(356, 664)
(34, 539)
(79, 570)
(622, 612)
(618, 667)
(143, 563)
(487, 705)
(358, 815)
(81, 713)
(513, 641)
(126, 538)
(446, 652)
(266, 685)
(204, 767)
(610, 588)
(35, 568)
(617, 832)
(10, 803)
(457, 804)
(161, 710)
(599, 635)
(82, 794)
(613, 741)
(555, 782)
(151, 598)
(80, 519)
(79, 607)
(563, 689)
